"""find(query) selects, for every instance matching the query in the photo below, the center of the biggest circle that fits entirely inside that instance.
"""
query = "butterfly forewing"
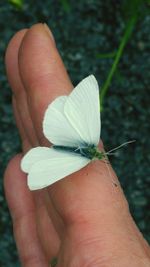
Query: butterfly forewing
(82, 109)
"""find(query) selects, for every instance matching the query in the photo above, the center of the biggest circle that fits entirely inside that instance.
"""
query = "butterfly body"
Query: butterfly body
(88, 151)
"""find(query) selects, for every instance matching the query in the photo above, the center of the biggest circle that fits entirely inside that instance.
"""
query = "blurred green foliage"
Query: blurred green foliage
(66, 5)
(88, 35)
(17, 3)
(133, 10)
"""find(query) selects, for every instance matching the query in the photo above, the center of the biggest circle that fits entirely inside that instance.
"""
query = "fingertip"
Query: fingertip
(38, 27)
(11, 59)
(14, 43)
(33, 54)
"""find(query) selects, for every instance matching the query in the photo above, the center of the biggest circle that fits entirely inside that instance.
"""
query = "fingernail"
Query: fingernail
(49, 31)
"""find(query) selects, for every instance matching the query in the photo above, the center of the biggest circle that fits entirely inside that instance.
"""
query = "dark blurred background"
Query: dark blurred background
(90, 36)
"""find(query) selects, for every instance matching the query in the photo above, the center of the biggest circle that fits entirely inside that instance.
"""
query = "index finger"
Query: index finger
(42, 72)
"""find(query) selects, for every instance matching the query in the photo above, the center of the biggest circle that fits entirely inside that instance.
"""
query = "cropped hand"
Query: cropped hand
(83, 219)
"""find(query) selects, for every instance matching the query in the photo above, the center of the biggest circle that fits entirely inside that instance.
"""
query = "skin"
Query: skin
(84, 219)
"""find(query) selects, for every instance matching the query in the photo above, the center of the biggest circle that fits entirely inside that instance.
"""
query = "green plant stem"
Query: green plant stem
(124, 40)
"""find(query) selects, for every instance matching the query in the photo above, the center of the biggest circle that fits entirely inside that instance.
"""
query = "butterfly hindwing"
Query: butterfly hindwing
(56, 167)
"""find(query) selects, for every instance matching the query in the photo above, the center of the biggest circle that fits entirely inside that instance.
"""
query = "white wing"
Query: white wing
(82, 108)
(56, 127)
(59, 165)
(33, 156)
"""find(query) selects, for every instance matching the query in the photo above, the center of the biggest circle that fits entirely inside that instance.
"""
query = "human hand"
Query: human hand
(83, 220)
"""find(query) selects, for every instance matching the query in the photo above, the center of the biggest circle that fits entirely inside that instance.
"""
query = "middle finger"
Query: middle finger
(42, 72)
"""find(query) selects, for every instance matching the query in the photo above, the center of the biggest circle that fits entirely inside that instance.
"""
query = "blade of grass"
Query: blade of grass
(124, 40)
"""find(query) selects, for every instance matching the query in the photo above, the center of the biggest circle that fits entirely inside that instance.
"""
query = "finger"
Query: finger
(43, 211)
(42, 72)
(22, 115)
(25, 142)
(22, 209)
(46, 231)
(54, 215)
(19, 93)
(42, 82)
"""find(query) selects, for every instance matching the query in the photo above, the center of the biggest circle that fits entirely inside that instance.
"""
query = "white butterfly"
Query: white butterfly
(72, 124)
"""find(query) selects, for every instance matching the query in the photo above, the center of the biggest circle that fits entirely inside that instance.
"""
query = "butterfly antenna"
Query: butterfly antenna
(126, 143)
